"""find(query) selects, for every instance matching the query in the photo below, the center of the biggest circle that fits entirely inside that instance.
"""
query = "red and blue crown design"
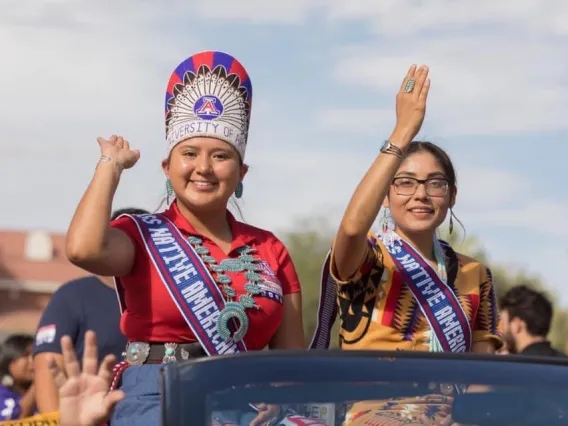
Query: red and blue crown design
(209, 94)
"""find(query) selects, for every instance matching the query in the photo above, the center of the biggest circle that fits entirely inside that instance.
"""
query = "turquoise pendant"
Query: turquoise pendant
(237, 311)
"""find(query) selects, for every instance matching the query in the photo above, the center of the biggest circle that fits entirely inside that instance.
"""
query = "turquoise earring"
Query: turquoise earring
(169, 191)
(239, 190)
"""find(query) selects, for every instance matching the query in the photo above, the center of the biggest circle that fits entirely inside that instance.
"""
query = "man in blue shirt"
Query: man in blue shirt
(88, 303)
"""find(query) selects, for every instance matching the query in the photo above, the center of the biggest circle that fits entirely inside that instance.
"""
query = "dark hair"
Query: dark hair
(445, 162)
(13, 347)
(441, 156)
(530, 306)
(128, 210)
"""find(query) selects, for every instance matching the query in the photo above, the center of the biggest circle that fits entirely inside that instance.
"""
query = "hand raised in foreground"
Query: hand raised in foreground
(117, 149)
(84, 397)
(411, 102)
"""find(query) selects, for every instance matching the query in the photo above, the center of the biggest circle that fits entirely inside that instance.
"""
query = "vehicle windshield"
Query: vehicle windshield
(357, 388)
(392, 403)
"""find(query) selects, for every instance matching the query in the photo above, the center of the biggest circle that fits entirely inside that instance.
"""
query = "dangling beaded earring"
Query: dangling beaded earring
(451, 221)
(387, 234)
(169, 191)
(239, 190)
(385, 221)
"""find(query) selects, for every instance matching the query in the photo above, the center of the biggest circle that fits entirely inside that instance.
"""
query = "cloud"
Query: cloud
(505, 200)
(484, 187)
(481, 84)
(525, 257)
(391, 17)
(75, 64)
(540, 217)
(290, 12)
(409, 17)
(496, 67)
(286, 185)
(354, 121)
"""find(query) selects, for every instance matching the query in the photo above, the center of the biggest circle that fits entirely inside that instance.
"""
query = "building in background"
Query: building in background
(32, 266)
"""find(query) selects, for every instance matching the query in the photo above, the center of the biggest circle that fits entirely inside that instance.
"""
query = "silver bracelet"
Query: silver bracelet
(108, 159)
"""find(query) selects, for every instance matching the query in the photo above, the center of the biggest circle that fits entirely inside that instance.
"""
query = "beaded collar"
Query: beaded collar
(234, 308)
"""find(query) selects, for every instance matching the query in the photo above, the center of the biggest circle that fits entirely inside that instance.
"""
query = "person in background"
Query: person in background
(88, 303)
(526, 315)
(17, 391)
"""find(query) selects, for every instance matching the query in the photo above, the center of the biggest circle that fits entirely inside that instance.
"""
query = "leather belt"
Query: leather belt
(138, 353)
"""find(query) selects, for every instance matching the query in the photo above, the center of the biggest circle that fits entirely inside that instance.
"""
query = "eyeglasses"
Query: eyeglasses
(435, 187)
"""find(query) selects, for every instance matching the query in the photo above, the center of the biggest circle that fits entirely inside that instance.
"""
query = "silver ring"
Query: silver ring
(409, 86)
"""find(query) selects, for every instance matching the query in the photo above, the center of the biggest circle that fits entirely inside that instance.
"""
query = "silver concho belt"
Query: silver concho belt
(137, 353)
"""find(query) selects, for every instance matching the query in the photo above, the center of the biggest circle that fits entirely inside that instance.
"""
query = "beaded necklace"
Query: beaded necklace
(234, 308)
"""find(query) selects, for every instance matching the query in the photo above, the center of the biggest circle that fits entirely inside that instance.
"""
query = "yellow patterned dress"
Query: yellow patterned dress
(378, 311)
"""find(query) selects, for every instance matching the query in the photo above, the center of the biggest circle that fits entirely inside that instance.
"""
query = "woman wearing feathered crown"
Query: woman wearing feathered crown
(404, 289)
(192, 280)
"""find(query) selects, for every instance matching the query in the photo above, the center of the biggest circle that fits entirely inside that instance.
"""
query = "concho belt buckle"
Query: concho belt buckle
(137, 353)
(184, 354)
(169, 352)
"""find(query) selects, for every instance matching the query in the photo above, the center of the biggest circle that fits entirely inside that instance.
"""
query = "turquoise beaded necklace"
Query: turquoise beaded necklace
(234, 308)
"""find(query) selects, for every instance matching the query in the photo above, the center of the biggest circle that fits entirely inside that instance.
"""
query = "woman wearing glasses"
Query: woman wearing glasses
(404, 289)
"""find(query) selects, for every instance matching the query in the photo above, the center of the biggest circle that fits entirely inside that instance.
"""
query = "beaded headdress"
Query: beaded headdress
(209, 94)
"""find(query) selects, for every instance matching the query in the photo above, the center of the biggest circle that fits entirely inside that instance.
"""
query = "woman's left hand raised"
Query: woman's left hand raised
(84, 397)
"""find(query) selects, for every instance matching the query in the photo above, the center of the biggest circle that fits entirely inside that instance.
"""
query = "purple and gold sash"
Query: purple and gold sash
(438, 302)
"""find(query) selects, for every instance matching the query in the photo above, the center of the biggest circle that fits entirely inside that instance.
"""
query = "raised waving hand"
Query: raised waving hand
(411, 104)
(84, 397)
(351, 239)
(117, 149)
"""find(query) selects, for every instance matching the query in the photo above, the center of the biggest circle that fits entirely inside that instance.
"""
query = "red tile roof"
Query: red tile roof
(26, 284)
(20, 311)
(14, 264)
(23, 321)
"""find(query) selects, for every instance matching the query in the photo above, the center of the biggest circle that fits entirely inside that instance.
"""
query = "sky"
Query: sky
(324, 74)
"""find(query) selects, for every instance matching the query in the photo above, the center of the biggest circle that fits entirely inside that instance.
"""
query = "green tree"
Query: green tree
(310, 241)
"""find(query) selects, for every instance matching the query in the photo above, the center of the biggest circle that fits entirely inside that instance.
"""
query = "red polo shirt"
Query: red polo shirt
(150, 315)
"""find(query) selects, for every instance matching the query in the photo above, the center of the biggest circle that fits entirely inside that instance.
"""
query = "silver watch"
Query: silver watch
(390, 148)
